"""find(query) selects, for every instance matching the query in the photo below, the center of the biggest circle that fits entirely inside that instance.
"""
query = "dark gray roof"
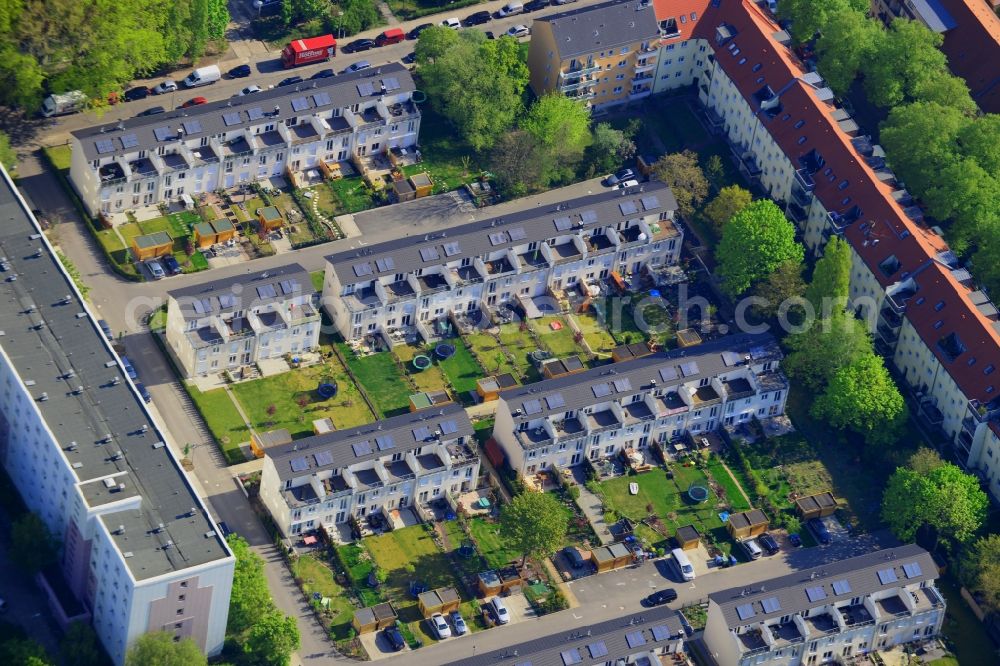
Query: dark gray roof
(666, 369)
(600, 643)
(598, 27)
(471, 239)
(341, 448)
(826, 584)
(241, 292)
(312, 96)
(102, 426)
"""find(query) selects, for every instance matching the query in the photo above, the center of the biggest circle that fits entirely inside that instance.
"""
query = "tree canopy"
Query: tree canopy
(609, 148)
(811, 16)
(924, 460)
(534, 524)
(816, 354)
(516, 164)
(981, 568)
(849, 38)
(560, 127)
(684, 176)
(729, 201)
(862, 396)
(272, 639)
(756, 241)
(945, 499)
(33, 547)
(158, 648)
(781, 291)
(828, 290)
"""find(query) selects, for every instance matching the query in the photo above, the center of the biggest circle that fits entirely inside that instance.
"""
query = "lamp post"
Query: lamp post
(259, 4)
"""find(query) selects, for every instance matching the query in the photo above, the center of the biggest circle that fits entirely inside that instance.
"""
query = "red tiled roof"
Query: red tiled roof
(691, 10)
(973, 50)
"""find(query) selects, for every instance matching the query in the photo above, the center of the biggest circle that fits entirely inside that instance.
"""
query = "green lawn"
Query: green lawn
(346, 409)
(461, 368)
(61, 156)
(317, 280)
(223, 420)
(491, 546)
(731, 488)
(964, 633)
(431, 379)
(519, 344)
(490, 354)
(558, 341)
(595, 333)
(381, 380)
(442, 153)
(350, 194)
(315, 576)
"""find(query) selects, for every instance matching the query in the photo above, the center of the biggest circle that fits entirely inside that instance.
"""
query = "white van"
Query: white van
(510, 9)
(203, 76)
(751, 548)
(683, 564)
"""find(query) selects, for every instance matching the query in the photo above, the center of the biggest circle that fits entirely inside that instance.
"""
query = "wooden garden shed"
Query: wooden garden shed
(402, 190)
(373, 618)
(628, 352)
(488, 583)
(152, 246)
(261, 441)
(688, 337)
(747, 524)
(510, 578)
(687, 537)
(428, 399)
(268, 219)
(558, 367)
(211, 233)
(441, 600)
(816, 506)
(422, 184)
(609, 558)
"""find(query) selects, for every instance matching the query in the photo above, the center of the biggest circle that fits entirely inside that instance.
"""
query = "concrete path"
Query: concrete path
(593, 508)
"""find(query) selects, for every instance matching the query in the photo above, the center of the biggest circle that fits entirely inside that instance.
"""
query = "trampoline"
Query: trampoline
(698, 493)
(327, 390)
(444, 350)
(654, 293)
(421, 362)
(540, 355)
(467, 550)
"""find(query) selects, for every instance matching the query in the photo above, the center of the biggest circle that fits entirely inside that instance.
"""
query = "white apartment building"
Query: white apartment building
(538, 248)
(829, 614)
(230, 323)
(658, 398)
(148, 160)
(415, 458)
(140, 550)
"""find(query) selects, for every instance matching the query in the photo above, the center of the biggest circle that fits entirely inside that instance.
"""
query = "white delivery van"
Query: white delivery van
(57, 105)
(203, 76)
(683, 564)
(510, 9)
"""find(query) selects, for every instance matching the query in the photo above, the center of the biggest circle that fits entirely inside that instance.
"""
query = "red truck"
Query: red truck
(308, 51)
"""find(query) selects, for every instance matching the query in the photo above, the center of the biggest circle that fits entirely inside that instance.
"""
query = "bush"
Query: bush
(573, 492)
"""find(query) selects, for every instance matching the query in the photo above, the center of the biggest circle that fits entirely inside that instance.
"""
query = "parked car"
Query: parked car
(499, 610)
(224, 529)
(129, 369)
(394, 638)
(323, 74)
(409, 58)
(155, 269)
(357, 66)
(490, 35)
(751, 549)
(619, 176)
(194, 101)
(144, 392)
(135, 94)
(171, 264)
(106, 330)
(518, 31)
(440, 625)
(202, 76)
(290, 81)
(768, 543)
(562, 2)
(510, 9)
(164, 87)
(239, 72)
(415, 33)
(661, 597)
(152, 111)
(460, 627)
(358, 45)
(452, 23)
(819, 529)
(535, 5)
(478, 18)
(625, 184)
(249, 90)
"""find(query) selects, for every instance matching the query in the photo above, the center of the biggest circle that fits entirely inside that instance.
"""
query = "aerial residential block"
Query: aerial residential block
(140, 551)
(654, 399)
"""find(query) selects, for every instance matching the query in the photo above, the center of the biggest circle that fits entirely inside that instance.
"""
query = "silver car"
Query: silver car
(156, 269)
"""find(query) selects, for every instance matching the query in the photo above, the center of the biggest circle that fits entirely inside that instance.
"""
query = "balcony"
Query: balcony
(398, 470)
(589, 93)
(271, 139)
(821, 624)
(569, 428)
(368, 479)
(303, 133)
(889, 336)
(431, 283)
(890, 318)
(143, 168)
(576, 83)
(270, 321)
(739, 388)
(533, 259)
(637, 412)
(362, 299)
(205, 336)
(892, 607)
(204, 155)
(175, 162)
(602, 420)
(925, 599)
(796, 213)
(673, 404)
(785, 634)
(640, 93)
(565, 252)
(466, 274)
(599, 243)
(300, 314)
(647, 65)
(856, 616)
(752, 642)
(111, 174)
(534, 437)
(399, 291)
(705, 396)
(631, 234)
(801, 196)
(581, 70)
(498, 267)
(931, 412)
(429, 462)
(460, 453)
(236, 148)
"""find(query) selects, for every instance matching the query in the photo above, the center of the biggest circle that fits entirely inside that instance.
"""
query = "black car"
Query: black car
(768, 543)
(144, 392)
(409, 58)
(290, 81)
(415, 33)
(359, 45)
(661, 597)
(394, 638)
(478, 18)
(134, 94)
(619, 176)
(239, 72)
(535, 5)
(224, 529)
(490, 35)
(152, 111)
(323, 74)
(819, 529)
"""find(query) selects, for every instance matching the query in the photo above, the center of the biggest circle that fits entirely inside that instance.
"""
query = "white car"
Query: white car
(249, 90)
(357, 66)
(440, 625)
(499, 610)
(452, 23)
(156, 269)
(562, 2)
(518, 31)
(165, 87)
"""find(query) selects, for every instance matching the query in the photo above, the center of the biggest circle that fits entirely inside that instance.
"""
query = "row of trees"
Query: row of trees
(350, 16)
(98, 46)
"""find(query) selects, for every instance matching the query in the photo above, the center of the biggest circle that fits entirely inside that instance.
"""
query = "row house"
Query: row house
(403, 461)
(285, 131)
(830, 614)
(658, 398)
(235, 322)
(139, 551)
(537, 251)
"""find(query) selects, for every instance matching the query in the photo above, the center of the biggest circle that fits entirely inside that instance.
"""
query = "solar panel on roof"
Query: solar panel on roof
(361, 270)
(191, 126)
(517, 233)
(498, 238)
(199, 307)
(385, 264)
(523, 663)
(731, 358)
(815, 593)
(745, 612)
(105, 146)
(623, 384)
(390, 83)
(231, 118)
(321, 99)
(841, 587)
(422, 433)
(555, 401)
(129, 141)
(366, 89)
(563, 223)
(300, 104)
(361, 448)
(886, 576)
(289, 287)
(689, 369)
(299, 464)
(452, 248)
(635, 639)
(668, 374)
(627, 207)
(162, 133)
(227, 300)
(771, 605)
(570, 657)
(598, 649)
(385, 442)
(266, 291)
(323, 458)
(256, 113)
(661, 632)
(601, 390)
(650, 202)
(912, 570)
(448, 427)
(588, 216)
(429, 253)
(532, 406)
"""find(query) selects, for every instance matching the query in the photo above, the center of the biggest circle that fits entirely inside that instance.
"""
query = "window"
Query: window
(799, 123)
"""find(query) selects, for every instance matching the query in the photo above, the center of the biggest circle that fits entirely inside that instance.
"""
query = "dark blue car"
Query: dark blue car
(132, 374)
(171, 264)
(144, 392)
(819, 529)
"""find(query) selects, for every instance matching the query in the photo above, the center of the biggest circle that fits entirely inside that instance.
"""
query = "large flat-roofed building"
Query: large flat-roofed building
(289, 130)
(828, 614)
(140, 551)
(633, 404)
(324, 480)
(235, 322)
(529, 251)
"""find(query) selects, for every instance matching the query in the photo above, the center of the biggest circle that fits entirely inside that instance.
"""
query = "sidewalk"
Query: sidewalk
(593, 508)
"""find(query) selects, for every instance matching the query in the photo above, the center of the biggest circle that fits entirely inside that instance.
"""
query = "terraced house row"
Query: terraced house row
(789, 136)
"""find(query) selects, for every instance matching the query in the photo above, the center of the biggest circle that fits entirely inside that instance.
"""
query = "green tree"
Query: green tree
(848, 39)
(819, 352)
(924, 460)
(828, 290)
(561, 128)
(908, 57)
(158, 648)
(943, 87)
(782, 285)
(986, 264)
(609, 148)
(8, 157)
(863, 397)
(967, 194)
(534, 524)
(435, 42)
(684, 176)
(217, 18)
(515, 164)
(358, 15)
(754, 243)
(920, 140)
(946, 500)
(811, 16)
(978, 140)
(33, 547)
(298, 11)
(80, 646)
(715, 172)
(981, 568)
(23, 651)
(729, 201)
(272, 639)
(250, 595)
